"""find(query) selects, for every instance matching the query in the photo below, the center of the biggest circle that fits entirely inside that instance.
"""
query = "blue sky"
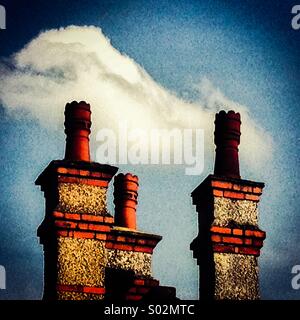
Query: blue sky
(247, 49)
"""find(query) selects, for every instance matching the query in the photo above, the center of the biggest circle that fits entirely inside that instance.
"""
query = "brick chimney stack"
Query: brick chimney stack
(227, 140)
(229, 240)
(88, 253)
(125, 200)
(77, 128)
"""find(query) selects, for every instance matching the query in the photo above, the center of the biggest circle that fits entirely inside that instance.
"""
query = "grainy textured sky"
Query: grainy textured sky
(243, 50)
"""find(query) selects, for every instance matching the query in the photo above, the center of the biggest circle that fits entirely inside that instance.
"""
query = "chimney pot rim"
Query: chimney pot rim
(75, 104)
(127, 176)
(231, 114)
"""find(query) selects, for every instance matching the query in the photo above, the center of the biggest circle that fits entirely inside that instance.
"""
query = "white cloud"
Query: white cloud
(79, 63)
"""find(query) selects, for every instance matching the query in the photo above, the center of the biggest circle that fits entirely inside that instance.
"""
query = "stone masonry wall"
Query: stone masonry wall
(82, 198)
(236, 277)
(241, 212)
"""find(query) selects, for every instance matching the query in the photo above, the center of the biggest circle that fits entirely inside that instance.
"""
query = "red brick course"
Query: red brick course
(233, 240)
(140, 288)
(235, 191)
(237, 240)
(218, 193)
(79, 288)
(83, 217)
(217, 229)
(83, 173)
(89, 181)
(234, 195)
(88, 226)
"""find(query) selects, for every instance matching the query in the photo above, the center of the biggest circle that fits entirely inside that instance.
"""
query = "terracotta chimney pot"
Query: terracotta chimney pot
(227, 140)
(77, 128)
(125, 200)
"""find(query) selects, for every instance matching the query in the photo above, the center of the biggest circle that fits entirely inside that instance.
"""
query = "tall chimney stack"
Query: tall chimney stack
(227, 140)
(229, 241)
(125, 200)
(77, 128)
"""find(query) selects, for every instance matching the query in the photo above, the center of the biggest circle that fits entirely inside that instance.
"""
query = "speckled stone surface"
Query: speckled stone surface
(81, 262)
(236, 277)
(82, 198)
(138, 262)
(241, 212)
(79, 296)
